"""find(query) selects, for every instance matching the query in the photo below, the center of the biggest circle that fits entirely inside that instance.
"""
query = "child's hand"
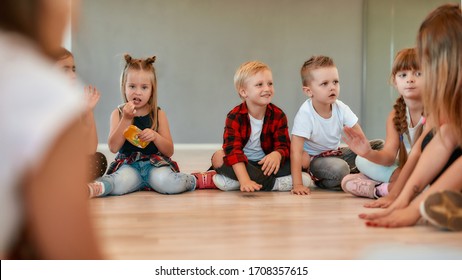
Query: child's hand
(271, 163)
(129, 110)
(91, 97)
(382, 202)
(357, 142)
(147, 135)
(250, 186)
(301, 190)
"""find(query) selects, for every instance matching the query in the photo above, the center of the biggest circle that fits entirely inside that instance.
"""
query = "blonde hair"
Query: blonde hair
(142, 65)
(315, 62)
(439, 45)
(406, 59)
(246, 70)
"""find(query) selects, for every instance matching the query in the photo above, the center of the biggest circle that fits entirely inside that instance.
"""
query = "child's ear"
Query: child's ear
(242, 93)
(307, 91)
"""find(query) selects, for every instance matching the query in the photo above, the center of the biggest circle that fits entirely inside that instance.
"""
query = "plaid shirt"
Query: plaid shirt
(274, 135)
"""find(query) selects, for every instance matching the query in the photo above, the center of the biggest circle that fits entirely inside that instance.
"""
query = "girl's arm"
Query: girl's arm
(296, 159)
(404, 175)
(116, 133)
(56, 201)
(162, 138)
(449, 180)
(359, 144)
(430, 164)
(92, 97)
(90, 132)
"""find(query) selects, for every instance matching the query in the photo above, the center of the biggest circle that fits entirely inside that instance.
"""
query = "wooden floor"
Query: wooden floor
(211, 224)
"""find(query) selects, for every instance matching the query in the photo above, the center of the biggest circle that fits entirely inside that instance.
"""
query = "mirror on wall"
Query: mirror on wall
(388, 27)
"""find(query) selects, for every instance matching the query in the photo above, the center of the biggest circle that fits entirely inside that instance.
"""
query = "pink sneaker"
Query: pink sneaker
(360, 185)
(96, 189)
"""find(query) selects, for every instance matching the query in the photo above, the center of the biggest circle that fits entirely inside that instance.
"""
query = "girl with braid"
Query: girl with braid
(379, 168)
(439, 166)
(140, 133)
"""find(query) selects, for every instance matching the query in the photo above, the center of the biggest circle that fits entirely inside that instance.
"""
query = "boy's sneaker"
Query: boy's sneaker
(443, 210)
(306, 179)
(95, 189)
(204, 180)
(283, 183)
(360, 185)
(224, 183)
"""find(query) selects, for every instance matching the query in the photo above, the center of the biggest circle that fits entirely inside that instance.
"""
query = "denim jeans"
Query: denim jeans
(256, 174)
(331, 170)
(133, 177)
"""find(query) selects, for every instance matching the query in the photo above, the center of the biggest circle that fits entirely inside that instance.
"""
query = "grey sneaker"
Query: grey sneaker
(283, 184)
(224, 183)
(443, 210)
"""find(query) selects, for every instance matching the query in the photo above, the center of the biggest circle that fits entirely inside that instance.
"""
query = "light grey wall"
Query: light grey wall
(200, 44)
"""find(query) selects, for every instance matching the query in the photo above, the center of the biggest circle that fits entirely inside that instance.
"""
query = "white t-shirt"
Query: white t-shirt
(412, 130)
(252, 148)
(36, 104)
(322, 134)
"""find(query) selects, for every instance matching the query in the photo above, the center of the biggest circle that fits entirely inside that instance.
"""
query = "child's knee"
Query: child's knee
(125, 180)
(217, 159)
(166, 181)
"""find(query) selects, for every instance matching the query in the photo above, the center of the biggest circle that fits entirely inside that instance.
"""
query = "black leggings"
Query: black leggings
(256, 174)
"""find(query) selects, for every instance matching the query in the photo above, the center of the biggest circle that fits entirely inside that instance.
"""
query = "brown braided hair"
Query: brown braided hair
(401, 126)
(145, 65)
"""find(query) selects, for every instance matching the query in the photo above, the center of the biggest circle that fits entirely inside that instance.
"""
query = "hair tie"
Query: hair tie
(401, 138)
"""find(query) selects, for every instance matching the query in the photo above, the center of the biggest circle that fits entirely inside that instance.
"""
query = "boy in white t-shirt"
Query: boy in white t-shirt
(318, 127)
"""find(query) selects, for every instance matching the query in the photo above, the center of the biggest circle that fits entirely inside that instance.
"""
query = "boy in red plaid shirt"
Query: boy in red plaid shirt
(256, 143)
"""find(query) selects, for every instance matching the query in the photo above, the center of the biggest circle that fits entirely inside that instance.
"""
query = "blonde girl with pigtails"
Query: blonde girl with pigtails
(140, 135)
(379, 169)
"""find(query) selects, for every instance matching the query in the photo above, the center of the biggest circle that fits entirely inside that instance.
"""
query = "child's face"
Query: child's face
(138, 87)
(409, 84)
(258, 89)
(324, 88)
(67, 65)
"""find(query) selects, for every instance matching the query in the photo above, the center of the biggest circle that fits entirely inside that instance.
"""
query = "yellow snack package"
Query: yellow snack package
(131, 134)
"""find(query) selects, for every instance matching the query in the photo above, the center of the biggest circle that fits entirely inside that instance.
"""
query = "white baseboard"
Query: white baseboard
(205, 146)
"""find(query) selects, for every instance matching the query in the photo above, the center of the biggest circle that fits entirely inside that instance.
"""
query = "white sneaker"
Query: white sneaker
(306, 179)
(96, 189)
(224, 183)
(283, 184)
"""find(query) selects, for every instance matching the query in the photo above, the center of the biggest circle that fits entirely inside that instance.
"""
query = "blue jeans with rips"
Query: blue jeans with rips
(133, 177)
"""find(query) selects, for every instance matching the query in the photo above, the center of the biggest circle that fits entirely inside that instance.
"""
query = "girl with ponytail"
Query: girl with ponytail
(140, 135)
